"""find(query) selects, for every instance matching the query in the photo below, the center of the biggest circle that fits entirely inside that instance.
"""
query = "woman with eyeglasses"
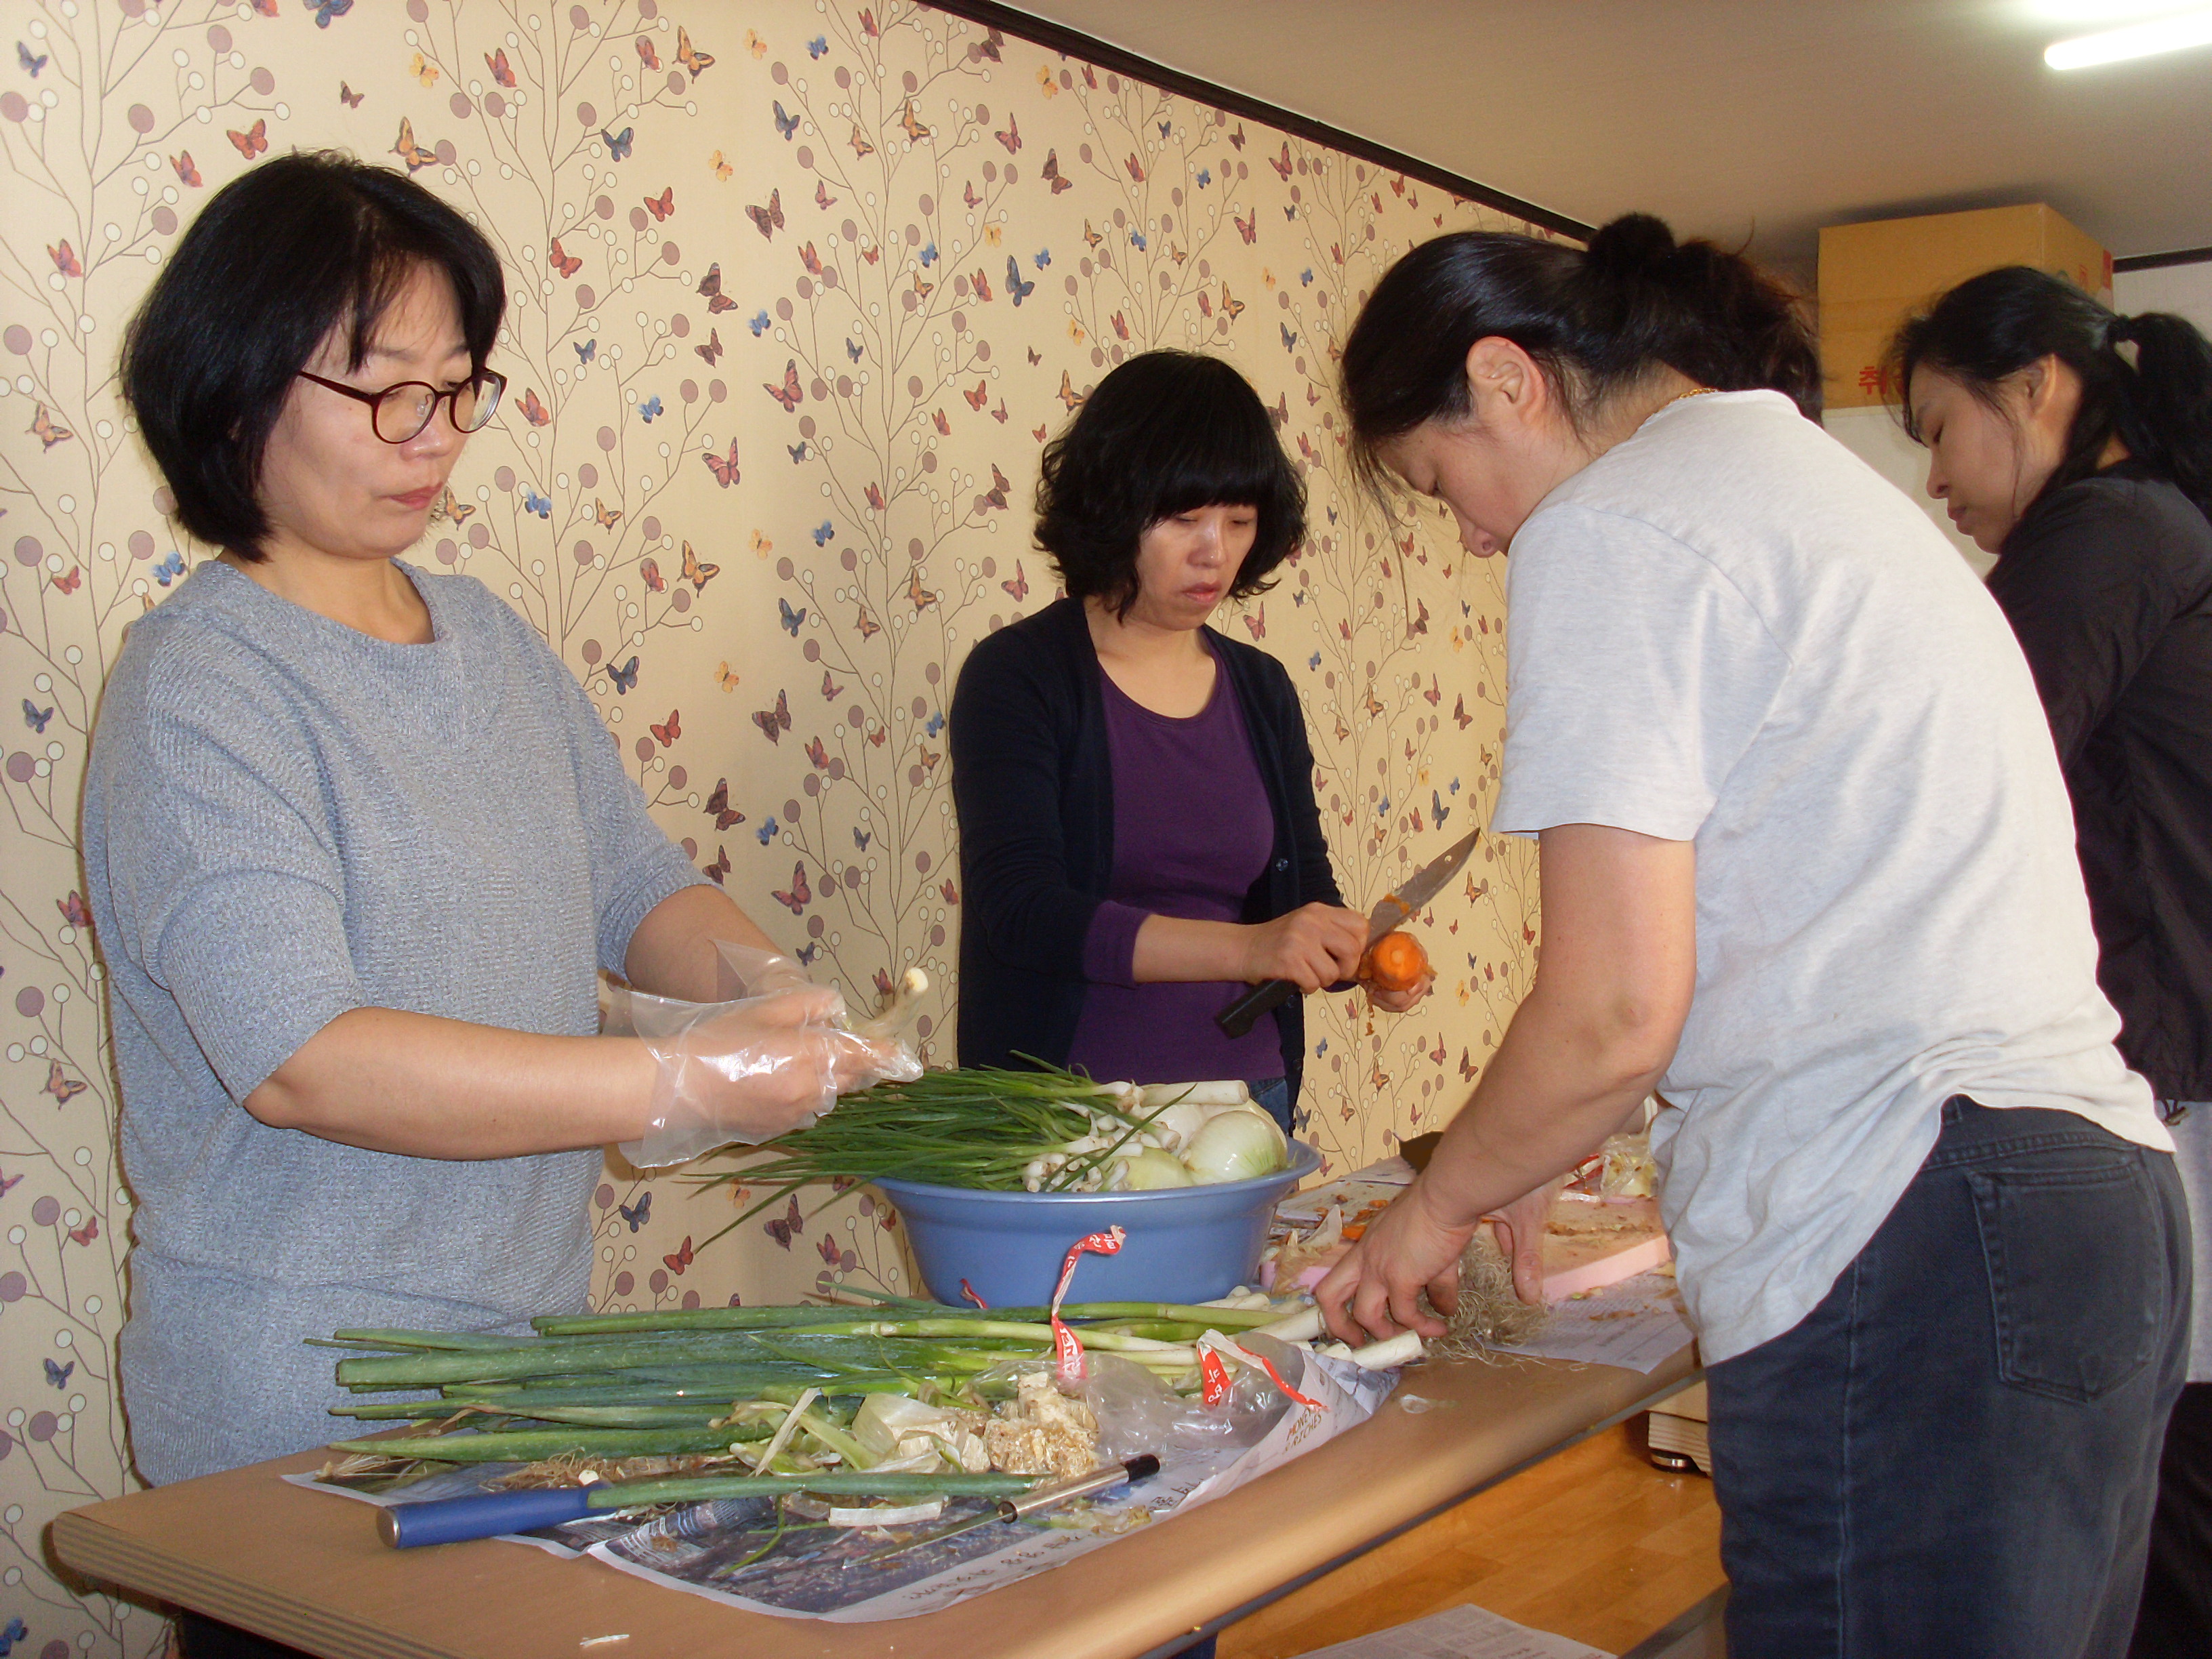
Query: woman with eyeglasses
(356, 844)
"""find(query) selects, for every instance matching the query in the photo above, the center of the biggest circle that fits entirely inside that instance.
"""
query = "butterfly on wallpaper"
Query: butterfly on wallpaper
(696, 62)
(817, 46)
(254, 140)
(787, 393)
(1137, 240)
(623, 679)
(1121, 324)
(648, 409)
(606, 517)
(980, 396)
(682, 1258)
(36, 718)
(171, 567)
(534, 502)
(1000, 413)
(982, 285)
(59, 1375)
(563, 261)
(1435, 694)
(1291, 211)
(724, 469)
(827, 1244)
(818, 754)
(875, 497)
(63, 1089)
(1019, 587)
(710, 288)
(1258, 623)
(1290, 339)
(911, 123)
(638, 1213)
(921, 597)
(808, 951)
(712, 352)
(726, 676)
(424, 70)
(69, 584)
(1091, 238)
(185, 171)
(29, 65)
(666, 732)
(877, 736)
(1011, 138)
(785, 125)
(800, 895)
(649, 569)
(73, 910)
(768, 219)
(928, 255)
(1015, 286)
(502, 70)
(786, 1229)
(647, 54)
(1283, 166)
(811, 260)
(85, 1234)
(619, 143)
(859, 143)
(996, 495)
(825, 201)
(65, 258)
(587, 351)
(934, 724)
(1437, 810)
(860, 840)
(696, 574)
(1069, 396)
(775, 722)
(718, 804)
(797, 452)
(1230, 308)
(868, 625)
(405, 149)
(8, 1181)
(1204, 177)
(789, 619)
(662, 205)
(1460, 713)
(717, 871)
(326, 10)
(821, 533)
(1248, 228)
(766, 832)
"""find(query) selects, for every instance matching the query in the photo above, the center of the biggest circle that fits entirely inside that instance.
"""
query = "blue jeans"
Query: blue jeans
(1955, 1454)
(1273, 1096)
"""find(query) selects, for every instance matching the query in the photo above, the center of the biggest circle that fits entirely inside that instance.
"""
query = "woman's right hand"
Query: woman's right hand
(1311, 947)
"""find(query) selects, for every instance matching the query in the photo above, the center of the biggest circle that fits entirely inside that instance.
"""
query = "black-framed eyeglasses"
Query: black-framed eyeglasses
(400, 412)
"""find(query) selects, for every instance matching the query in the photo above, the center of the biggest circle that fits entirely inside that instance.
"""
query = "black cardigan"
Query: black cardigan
(1034, 788)
(2108, 584)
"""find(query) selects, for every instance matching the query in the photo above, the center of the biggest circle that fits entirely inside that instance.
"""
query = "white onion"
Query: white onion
(1151, 1170)
(1236, 1145)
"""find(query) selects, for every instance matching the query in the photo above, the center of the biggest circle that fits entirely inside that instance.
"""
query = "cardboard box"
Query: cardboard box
(1873, 276)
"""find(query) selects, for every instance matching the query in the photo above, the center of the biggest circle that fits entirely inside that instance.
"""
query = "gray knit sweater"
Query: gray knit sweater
(285, 819)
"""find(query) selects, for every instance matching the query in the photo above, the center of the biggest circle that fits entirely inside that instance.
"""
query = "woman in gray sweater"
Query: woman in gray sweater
(356, 845)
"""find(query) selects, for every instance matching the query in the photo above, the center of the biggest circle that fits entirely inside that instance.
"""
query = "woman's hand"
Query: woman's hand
(1314, 946)
(1398, 1002)
(1374, 1292)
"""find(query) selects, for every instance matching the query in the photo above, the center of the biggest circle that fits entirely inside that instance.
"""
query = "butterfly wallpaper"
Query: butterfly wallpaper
(798, 293)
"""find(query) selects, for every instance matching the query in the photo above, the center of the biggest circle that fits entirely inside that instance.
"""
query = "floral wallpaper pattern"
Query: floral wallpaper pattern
(799, 292)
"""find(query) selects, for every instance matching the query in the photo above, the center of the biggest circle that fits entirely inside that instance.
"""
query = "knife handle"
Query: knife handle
(487, 1515)
(1242, 1015)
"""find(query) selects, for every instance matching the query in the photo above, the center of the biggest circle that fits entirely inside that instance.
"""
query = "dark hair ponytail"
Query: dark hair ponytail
(2146, 381)
(1595, 322)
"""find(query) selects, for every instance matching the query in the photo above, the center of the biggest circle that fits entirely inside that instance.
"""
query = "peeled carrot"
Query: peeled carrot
(1395, 962)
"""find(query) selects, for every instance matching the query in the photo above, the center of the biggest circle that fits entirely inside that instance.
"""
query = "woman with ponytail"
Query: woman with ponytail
(2077, 445)
(1806, 867)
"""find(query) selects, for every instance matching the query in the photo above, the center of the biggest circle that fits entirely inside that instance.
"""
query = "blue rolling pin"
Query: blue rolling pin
(456, 1520)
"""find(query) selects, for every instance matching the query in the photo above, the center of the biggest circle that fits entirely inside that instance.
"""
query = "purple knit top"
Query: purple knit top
(1192, 833)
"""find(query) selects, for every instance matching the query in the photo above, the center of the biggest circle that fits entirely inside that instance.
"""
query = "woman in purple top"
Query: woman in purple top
(1138, 836)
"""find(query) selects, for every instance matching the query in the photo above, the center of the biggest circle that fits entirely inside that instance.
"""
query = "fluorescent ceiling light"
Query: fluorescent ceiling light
(2191, 28)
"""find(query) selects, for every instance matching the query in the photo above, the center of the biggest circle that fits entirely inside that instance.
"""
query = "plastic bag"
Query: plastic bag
(1137, 1413)
(772, 1056)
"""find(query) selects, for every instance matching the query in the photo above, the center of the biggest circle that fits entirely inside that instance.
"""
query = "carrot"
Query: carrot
(1394, 963)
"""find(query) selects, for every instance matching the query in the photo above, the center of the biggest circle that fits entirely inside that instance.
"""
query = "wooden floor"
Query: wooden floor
(1595, 1544)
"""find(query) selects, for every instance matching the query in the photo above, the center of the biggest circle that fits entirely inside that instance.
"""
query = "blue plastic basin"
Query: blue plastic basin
(1184, 1243)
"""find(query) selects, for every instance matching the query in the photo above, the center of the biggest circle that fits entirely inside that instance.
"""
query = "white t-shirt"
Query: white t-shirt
(1729, 630)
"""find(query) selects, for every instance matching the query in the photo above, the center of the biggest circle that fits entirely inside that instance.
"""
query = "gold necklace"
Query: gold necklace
(1695, 391)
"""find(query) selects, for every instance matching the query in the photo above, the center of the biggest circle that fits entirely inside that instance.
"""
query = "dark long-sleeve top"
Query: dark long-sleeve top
(1033, 785)
(2108, 584)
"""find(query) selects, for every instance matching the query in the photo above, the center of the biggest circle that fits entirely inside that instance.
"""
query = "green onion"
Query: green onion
(701, 1489)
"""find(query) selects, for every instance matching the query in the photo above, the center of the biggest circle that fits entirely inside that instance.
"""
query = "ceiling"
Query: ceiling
(1757, 120)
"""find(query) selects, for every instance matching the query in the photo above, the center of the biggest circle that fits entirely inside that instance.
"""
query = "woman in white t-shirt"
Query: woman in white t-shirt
(1808, 867)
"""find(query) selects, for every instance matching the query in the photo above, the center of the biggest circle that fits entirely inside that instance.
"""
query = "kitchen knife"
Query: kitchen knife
(1240, 1016)
(1007, 1510)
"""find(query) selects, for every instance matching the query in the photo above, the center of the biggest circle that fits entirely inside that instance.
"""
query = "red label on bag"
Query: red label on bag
(1067, 1346)
(968, 1294)
(1215, 1376)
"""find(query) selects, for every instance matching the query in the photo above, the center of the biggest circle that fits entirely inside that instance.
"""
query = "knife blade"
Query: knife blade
(1007, 1510)
(1389, 914)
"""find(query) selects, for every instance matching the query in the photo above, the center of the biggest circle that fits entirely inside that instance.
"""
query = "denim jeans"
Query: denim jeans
(1273, 1096)
(1954, 1455)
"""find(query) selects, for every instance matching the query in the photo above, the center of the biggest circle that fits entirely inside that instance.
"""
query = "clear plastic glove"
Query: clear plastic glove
(772, 1059)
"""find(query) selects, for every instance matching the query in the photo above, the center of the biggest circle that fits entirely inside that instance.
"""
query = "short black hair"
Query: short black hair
(277, 259)
(1165, 432)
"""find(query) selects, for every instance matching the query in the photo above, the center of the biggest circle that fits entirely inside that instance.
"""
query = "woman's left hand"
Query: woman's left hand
(1397, 1002)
